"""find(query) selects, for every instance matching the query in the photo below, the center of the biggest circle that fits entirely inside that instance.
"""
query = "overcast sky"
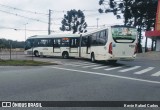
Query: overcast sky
(59, 7)
(13, 27)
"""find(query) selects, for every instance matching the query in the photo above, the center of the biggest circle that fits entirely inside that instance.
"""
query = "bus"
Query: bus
(65, 45)
(108, 44)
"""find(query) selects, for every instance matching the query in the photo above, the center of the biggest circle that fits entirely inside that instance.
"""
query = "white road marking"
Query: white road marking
(77, 64)
(103, 74)
(112, 68)
(89, 66)
(100, 67)
(144, 70)
(86, 62)
(129, 69)
(156, 74)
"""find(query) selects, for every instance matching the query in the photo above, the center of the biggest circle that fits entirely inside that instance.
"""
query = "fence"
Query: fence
(13, 54)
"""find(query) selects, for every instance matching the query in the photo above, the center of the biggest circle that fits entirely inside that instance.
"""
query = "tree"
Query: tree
(116, 7)
(15, 44)
(74, 21)
(137, 13)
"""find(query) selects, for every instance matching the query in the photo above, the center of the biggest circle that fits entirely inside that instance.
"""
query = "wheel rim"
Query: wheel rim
(65, 55)
(37, 54)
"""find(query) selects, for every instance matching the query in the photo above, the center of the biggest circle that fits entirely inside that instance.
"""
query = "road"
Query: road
(81, 80)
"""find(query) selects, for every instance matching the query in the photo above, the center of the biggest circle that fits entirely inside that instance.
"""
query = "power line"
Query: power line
(90, 15)
(63, 11)
(90, 10)
(22, 10)
(19, 29)
(23, 16)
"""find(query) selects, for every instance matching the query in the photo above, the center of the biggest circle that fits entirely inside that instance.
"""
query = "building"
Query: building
(155, 34)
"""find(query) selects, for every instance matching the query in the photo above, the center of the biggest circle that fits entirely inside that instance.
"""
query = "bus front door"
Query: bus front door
(85, 47)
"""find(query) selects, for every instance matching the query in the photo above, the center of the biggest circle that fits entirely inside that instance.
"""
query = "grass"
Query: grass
(23, 63)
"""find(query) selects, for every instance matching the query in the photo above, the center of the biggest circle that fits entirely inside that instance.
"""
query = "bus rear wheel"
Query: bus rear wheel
(65, 55)
(92, 57)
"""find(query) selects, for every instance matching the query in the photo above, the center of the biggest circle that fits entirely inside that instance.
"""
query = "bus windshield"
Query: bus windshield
(124, 34)
(28, 44)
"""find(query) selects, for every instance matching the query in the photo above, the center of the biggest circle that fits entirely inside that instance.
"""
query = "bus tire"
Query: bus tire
(36, 53)
(92, 57)
(65, 55)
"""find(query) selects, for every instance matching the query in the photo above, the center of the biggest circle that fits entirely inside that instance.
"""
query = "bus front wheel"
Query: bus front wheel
(65, 55)
(36, 53)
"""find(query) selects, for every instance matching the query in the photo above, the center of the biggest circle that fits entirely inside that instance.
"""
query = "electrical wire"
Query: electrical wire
(63, 11)
(19, 29)
(22, 10)
(23, 16)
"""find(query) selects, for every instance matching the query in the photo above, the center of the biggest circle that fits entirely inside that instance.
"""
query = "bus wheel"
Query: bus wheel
(92, 57)
(36, 53)
(65, 55)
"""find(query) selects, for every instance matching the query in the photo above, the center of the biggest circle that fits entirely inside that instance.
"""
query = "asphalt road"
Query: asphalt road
(81, 80)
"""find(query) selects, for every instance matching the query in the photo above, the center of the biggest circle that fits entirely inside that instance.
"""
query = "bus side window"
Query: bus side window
(36, 42)
(41, 42)
(77, 42)
(94, 39)
(65, 42)
(106, 35)
(57, 42)
(102, 38)
(74, 42)
(84, 41)
(49, 43)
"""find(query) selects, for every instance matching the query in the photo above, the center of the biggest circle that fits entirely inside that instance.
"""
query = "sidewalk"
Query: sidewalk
(149, 55)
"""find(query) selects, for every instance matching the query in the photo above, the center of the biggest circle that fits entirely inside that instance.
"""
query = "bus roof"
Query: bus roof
(91, 32)
(100, 29)
(123, 26)
(54, 36)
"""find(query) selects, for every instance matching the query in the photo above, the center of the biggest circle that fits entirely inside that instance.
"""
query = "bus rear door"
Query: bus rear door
(74, 44)
(56, 45)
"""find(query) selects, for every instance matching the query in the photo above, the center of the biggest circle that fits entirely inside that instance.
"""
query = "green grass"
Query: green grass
(23, 63)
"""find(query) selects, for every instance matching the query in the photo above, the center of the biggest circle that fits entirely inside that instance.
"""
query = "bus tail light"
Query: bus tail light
(110, 48)
(136, 48)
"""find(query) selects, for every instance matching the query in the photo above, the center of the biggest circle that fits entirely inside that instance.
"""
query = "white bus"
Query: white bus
(109, 44)
(65, 45)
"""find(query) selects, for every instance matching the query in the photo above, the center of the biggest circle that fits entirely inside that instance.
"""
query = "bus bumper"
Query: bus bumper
(28, 52)
(122, 58)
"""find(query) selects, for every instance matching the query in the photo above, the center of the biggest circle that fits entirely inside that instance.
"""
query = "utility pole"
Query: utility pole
(49, 22)
(25, 30)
